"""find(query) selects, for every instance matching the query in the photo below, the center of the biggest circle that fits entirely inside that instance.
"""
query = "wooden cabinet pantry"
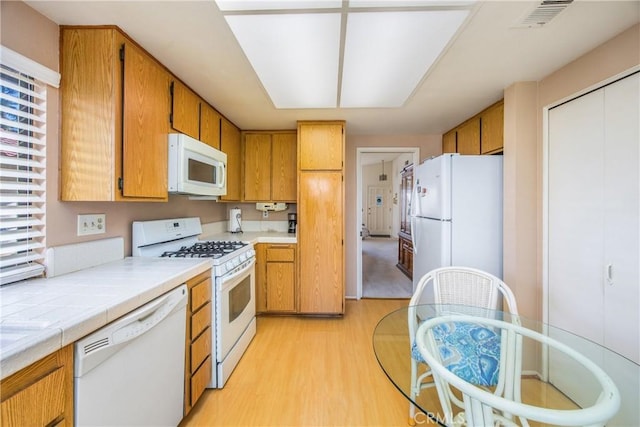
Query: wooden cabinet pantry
(321, 217)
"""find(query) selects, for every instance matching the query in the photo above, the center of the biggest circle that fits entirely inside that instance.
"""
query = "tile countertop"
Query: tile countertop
(254, 237)
(40, 316)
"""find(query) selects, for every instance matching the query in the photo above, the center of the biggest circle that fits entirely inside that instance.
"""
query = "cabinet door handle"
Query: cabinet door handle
(609, 274)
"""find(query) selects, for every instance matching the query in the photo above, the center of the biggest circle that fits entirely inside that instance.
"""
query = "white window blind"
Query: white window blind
(22, 175)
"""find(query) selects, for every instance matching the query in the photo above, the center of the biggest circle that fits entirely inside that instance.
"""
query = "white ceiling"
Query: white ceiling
(193, 40)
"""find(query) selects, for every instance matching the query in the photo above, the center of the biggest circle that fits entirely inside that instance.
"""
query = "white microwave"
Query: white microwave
(196, 168)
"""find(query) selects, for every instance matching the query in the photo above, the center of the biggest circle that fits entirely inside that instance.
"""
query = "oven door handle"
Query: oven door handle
(239, 272)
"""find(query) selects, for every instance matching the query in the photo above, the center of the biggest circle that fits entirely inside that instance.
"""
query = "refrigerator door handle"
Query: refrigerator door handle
(413, 204)
(413, 233)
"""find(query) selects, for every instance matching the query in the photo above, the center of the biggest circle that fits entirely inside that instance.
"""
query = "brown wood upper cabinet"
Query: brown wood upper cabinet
(209, 125)
(322, 148)
(185, 110)
(116, 150)
(270, 166)
(492, 129)
(449, 142)
(230, 144)
(481, 134)
(192, 116)
(468, 141)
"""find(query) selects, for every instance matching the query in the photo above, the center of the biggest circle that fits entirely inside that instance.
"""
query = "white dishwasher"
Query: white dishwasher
(131, 372)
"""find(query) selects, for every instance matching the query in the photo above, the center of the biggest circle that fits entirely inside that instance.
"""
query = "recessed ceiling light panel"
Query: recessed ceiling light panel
(228, 5)
(410, 3)
(387, 53)
(296, 56)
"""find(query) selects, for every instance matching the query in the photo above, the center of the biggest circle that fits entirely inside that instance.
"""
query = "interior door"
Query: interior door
(378, 211)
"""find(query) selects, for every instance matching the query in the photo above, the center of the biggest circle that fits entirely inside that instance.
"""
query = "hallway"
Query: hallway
(380, 276)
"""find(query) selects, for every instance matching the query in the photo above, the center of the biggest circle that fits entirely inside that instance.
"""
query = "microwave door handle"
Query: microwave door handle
(222, 167)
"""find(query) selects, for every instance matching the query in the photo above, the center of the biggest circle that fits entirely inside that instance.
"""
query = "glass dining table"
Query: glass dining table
(549, 378)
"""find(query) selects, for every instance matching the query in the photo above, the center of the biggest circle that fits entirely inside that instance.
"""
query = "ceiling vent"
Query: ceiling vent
(543, 13)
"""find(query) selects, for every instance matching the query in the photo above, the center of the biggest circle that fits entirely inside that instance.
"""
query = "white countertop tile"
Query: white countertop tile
(255, 237)
(21, 348)
(39, 316)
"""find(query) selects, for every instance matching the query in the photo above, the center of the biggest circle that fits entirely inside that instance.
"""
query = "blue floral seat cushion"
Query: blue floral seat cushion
(469, 350)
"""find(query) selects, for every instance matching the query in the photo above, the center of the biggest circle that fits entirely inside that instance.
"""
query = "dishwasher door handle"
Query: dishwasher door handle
(148, 316)
(99, 346)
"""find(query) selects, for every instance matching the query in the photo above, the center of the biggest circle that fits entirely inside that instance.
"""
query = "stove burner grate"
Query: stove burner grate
(208, 249)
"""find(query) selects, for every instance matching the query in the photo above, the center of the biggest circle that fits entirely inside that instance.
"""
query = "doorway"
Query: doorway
(378, 219)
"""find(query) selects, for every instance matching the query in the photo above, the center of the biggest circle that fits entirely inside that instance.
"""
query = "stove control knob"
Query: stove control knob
(229, 265)
(243, 257)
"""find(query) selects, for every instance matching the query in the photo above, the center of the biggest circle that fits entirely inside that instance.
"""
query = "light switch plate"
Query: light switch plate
(92, 224)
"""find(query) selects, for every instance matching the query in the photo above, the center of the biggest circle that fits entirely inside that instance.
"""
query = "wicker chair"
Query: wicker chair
(486, 408)
(458, 286)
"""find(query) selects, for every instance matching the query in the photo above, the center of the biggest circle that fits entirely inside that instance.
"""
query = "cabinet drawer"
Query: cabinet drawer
(200, 320)
(200, 349)
(200, 294)
(283, 254)
(200, 380)
(19, 409)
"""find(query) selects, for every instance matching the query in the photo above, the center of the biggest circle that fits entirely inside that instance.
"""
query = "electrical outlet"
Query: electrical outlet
(92, 224)
(265, 214)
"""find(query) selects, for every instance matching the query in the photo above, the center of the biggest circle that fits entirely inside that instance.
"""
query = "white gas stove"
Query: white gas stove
(234, 281)
(178, 238)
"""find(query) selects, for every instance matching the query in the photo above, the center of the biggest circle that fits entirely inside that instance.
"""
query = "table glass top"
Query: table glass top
(550, 379)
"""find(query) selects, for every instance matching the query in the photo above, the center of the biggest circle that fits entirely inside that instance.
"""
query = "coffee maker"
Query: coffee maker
(292, 222)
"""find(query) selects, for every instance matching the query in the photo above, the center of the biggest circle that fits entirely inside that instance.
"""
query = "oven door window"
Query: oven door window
(239, 297)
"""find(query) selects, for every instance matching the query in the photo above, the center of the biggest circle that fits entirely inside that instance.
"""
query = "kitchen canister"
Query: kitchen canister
(235, 220)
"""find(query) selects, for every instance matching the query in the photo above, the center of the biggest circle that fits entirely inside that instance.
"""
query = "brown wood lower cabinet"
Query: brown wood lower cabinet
(198, 357)
(281, 278)
(405, 254)
(40, 394)
(276, 278)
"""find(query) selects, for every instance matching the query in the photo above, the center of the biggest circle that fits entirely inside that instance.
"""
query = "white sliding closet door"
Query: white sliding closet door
(622, 218)
(576, 215)
(594, 216)
(594, 234)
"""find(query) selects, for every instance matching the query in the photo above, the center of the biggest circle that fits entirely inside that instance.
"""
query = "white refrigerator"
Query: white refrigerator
(456, 214)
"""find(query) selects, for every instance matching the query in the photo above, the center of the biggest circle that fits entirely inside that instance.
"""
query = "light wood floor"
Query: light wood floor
(317, 371)
(305, 371)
